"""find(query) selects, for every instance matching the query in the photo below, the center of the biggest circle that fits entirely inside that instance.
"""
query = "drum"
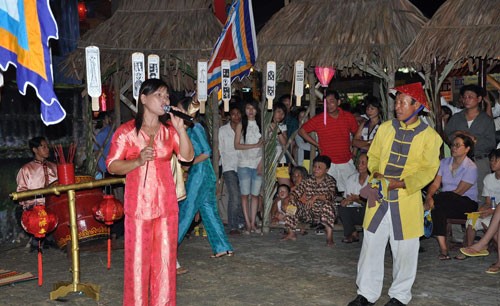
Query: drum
(88, 227)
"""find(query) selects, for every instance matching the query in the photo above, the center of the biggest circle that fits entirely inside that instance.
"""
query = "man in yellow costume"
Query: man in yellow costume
(405, 155)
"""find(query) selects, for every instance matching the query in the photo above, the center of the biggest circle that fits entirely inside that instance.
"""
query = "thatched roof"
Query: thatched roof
(184, 30)
(345, 34)
(460, 29)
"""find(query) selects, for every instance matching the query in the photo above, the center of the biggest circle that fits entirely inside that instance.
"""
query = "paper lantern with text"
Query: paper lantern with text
(39, 222)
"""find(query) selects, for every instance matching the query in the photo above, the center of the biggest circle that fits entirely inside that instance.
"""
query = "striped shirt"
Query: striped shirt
(334, 139)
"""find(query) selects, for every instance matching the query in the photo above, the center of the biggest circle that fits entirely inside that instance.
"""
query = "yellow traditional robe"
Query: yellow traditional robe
(419, 169)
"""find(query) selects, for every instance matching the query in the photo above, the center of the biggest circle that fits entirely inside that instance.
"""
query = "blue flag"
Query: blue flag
(25, 29)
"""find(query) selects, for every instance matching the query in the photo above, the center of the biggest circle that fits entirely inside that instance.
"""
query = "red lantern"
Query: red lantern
(109, 211)
(39, 222)
(82, 11)
(102, 102)
(110, 97)
(325, 75)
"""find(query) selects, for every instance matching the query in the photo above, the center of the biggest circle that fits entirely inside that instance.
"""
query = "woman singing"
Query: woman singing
(142, 150)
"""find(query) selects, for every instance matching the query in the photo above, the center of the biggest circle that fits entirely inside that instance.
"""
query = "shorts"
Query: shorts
(479, 223)
(250, 181)
(282, 172)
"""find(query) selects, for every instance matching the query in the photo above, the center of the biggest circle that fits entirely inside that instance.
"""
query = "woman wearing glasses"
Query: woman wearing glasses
(457, 178)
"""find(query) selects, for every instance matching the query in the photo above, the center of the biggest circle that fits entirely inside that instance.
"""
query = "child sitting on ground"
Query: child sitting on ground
(280, 204)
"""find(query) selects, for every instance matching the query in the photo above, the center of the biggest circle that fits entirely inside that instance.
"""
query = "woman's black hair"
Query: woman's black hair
(323, 159)
(184, 104)
(494, 154)
(468, 143)
(373, 101)
(446, 110)
(148, 87)
(302, 170)
(279, 105)
(35, 142)
(244, 118)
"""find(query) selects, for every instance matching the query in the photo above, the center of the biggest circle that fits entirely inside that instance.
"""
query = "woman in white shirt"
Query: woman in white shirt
(248, 143)
(352, 208)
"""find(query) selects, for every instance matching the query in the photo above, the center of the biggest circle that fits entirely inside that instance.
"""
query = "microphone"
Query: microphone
(169, 109)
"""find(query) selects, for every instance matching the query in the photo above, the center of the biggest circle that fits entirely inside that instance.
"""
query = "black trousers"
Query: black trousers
(350, 217)
(449, 205)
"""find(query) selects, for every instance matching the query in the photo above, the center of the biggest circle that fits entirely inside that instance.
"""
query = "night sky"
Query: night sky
(264, 9)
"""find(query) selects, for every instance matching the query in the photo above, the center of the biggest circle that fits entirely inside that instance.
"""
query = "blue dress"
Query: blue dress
(200, 188)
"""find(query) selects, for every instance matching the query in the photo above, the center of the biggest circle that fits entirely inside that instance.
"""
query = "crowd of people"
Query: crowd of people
(366, 174)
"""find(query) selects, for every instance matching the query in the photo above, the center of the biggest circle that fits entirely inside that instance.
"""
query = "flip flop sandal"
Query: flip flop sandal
(347, 240)
(473, 253)
(444, 257)
(226, 253)
(460, 257)
(493, 270)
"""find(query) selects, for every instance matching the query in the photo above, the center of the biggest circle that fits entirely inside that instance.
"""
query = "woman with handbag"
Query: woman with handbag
(142, 150)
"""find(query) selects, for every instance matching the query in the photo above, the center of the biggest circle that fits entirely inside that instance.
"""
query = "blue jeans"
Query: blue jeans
(250, 181)
(234, 210)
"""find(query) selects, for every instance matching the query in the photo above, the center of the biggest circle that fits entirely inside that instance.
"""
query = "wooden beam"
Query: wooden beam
(124, 99)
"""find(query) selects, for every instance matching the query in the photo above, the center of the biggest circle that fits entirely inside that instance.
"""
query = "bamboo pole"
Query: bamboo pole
(312, 107)
(214, 107)
(63, 288)
(62, 188)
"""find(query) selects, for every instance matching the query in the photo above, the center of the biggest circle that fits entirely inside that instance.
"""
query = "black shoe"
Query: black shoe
(360, 301)
(394, 302)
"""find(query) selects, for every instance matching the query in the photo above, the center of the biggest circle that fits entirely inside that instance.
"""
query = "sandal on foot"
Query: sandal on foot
(493, 270)
(460, 257)
(473, 253)
(181, 270)
(219, 255)
(347, 240)
(444, 257)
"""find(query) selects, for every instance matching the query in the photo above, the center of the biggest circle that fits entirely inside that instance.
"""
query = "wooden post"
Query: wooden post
(116, 84)
(214, 105)
(390, 102)
(482, 73)
(312, 107)
(76, 123)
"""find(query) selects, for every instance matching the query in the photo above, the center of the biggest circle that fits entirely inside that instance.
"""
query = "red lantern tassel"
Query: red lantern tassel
(40, 264)
(109, 247)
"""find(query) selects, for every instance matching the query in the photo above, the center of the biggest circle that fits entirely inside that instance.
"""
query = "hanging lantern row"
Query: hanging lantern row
(101, 100)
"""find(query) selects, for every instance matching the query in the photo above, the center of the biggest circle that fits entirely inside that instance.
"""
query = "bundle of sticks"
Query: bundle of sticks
(59, 153)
